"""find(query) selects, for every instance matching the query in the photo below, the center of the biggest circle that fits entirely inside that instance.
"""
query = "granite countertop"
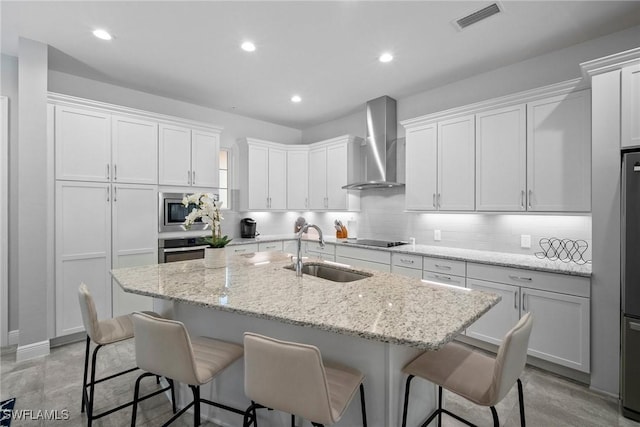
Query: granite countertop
(384, 307)
(503, 259)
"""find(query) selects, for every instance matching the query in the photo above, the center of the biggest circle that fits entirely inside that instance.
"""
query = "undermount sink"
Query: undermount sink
(328, 272)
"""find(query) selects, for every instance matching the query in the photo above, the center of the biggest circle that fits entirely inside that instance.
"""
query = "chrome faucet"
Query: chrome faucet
(303, 230)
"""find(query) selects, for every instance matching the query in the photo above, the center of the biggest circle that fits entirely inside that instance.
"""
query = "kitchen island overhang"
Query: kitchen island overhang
(393, 318)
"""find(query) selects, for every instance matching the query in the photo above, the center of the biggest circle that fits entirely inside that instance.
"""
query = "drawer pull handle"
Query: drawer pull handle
(440, 276)
(525, 279)
(524, 301)
(239, 250)
(515, 300)
(444, 267)
(406, 261)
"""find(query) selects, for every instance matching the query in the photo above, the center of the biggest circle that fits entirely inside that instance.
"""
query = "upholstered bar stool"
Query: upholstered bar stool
(482, 379)
(163, 347)
(292, 378)
(103, 332)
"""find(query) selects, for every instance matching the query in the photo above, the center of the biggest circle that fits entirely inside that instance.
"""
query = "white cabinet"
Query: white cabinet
(188, 157)
(444, 271)
(135, 239)
(298, 178)
(364, 258)
(326, 252)
(333, 164)
(440, 167)
(407, 265)
(83, 250)
(560, 305)
(630, 111)
(263, 175)
(270, 246)
(134, 149)
(456, 164)
(83, 144)
(421, 166)
(245, 248)
(559, 153)
(501, 159)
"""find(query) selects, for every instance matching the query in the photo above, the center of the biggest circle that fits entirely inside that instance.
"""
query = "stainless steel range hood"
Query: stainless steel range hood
(380, 146)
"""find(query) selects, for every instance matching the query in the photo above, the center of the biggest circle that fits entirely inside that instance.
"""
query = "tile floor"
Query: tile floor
(54, 383)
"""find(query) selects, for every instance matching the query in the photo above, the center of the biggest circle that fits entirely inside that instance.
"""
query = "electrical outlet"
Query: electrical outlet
(437, 235)
(525, 241)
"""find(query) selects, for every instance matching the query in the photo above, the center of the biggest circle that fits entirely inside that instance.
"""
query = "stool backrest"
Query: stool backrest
(163, 347)
(287, 376)
(511, 358)
(89, 313)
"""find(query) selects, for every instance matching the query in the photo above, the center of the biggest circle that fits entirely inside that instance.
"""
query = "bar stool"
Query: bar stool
(103, 332)
(163, 347)
(482, 379)
(292, 378)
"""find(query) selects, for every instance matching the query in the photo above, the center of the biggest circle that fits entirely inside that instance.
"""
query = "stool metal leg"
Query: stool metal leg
(173, 394)
(92, 386)
(362, 405)
(406, 401)
(196, 402)
(523, 422)
(496, 421)
(86, 368)
(439, 406)
(136, 396)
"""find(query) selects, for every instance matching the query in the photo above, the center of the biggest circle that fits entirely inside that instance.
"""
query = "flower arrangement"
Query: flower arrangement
(207, 208)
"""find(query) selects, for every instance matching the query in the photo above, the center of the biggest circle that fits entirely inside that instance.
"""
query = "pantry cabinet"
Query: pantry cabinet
(559, 153)
(630, 111)
(134, 147)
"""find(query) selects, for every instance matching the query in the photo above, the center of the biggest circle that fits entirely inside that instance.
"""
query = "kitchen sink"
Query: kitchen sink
(329, 272)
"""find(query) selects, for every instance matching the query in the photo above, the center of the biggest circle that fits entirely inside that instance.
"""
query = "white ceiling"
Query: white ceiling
(324, 51)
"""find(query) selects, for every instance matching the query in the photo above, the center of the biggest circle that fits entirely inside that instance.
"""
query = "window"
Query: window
(224, 178)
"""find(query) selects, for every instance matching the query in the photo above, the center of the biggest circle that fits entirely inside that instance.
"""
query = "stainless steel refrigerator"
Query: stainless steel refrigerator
(630, 374)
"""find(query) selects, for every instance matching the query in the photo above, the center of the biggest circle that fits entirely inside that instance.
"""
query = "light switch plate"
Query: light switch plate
(437, 235)
(525, 241)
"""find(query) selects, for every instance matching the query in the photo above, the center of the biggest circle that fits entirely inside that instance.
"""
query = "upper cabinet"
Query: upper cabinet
(630, 106)
(559, 153)
(527, 156)
(263, 175)
(83, 144)
(188, 157)
(440, 169)
(501, 159)
(298, 178)
(132, 140)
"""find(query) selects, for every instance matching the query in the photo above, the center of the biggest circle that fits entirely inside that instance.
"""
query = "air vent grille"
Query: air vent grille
(478, 16)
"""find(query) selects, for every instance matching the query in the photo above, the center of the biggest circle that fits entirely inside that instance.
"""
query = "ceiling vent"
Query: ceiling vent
(478, 16)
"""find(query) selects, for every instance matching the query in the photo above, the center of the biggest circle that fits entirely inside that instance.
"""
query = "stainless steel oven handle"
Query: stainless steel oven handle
(187, 249)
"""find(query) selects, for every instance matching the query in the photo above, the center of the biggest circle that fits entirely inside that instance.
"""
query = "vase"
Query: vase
(215, 257)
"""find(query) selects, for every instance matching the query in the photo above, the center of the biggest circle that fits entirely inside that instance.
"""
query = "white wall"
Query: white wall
(235, 126)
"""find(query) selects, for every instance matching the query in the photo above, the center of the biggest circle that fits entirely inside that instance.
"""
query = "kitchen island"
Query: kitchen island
(375, 324)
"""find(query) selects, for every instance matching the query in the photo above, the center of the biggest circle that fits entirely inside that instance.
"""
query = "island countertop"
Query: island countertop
(384, 307)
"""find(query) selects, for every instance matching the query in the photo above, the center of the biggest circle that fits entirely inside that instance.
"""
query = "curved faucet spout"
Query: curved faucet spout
(303, 230)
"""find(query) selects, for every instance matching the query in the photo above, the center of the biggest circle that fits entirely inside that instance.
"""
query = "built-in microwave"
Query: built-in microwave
(171, 213)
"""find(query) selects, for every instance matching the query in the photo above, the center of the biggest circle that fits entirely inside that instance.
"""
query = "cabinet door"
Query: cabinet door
(174, 155)
(83, 251)
(83, 144)
(277, 179)
(205, 147)
(318, 178)
(501, 159)
(337, 174)
(559, 153)
(133, 141)
(135, 239)
(493, 325)
(456, 164)
(270, 246)
(560, 332)
(421, 168)
(258, 165)
(630, 106)
(297, 180)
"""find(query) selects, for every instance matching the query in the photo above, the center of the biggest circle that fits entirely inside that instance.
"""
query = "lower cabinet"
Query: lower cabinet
(364, 258)
(241, 249)
(270, 246)
(327, 253)
(493, 325)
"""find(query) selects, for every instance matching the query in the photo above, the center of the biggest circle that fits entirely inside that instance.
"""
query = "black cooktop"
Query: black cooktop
(379, 243)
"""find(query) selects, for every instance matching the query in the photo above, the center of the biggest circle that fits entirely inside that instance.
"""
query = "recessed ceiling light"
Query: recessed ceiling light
(102, 34)
(386, 57)
(248, 46)
(296, 98)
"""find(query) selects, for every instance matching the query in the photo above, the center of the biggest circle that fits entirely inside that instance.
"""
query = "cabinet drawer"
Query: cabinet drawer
(269, 246)
(406, 261)
(372, 255)
(447, 279)
(361, 263)
(542, 280)
(447, 266)
(314, 247)
(405, 271)
(242, 249)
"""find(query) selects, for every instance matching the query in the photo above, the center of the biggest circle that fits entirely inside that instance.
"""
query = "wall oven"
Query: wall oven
(171, 213)
(180, 249)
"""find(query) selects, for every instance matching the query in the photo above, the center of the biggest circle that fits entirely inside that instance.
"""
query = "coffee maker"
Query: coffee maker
(247, 228)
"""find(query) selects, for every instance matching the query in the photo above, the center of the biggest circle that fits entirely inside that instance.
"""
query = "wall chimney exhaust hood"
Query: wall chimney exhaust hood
(380, 146)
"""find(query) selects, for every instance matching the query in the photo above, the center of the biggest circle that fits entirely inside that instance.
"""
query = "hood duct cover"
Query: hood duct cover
(380, 146)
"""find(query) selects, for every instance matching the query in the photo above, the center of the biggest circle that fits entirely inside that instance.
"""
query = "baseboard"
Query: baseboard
(604, 392)
(14, 337)
(29, 351)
